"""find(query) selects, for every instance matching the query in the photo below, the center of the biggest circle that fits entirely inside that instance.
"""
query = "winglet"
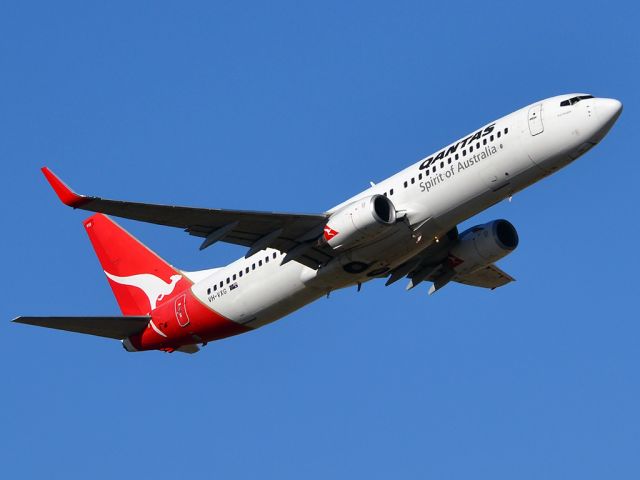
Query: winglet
(65, 194)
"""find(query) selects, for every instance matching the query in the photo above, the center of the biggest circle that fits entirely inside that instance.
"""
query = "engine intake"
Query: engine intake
(482, 245)
(359, 222)
(383, 210)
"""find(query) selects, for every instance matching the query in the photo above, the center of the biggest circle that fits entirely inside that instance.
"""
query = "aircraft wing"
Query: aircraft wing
(256, 230)
(110, 327)
(432, 265)
(487, 277)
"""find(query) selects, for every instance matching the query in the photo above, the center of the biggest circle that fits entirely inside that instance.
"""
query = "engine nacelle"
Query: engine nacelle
(359, 222)
(482, 245)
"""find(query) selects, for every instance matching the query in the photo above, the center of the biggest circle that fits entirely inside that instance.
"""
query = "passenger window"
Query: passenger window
(215, 287)
(246, 270)
(274, 255)
(413, 180)
(457, 156)
(391, 192)
(419, 176)
(240, 274)
(253, 266)
(441, 164)
(491, 138)
(498, 134)
(433, 169)
(471, 149)
(506, 130)
(228, 280)
(484, 141)
(266, 259)
(208, 291)
(405, 184)
(478, 146)
(259, 263)
(235, 276)
(221, 284)
(464, 152)
(449, 161)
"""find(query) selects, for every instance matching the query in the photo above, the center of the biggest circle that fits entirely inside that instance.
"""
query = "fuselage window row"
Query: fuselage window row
(240, 273)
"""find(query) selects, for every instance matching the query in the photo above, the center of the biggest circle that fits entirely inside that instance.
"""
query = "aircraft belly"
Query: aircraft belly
(284, 306)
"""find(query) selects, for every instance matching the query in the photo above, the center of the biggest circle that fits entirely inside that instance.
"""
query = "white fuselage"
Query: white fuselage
(433, 195)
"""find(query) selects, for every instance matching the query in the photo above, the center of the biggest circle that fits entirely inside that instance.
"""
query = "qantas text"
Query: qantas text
(452, 149)
(439, 178)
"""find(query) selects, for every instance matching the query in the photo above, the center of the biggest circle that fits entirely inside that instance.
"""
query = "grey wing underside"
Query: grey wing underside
(432, 265)
(256, 230)
(487, 277)
(245, 228)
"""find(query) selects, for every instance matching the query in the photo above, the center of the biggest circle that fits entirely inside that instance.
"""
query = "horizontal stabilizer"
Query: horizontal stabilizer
(110, 327)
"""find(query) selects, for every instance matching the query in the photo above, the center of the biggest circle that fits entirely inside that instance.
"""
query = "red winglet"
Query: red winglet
(65, 194)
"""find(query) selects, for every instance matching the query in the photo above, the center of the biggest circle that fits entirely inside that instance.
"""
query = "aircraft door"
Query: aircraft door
(535, 120)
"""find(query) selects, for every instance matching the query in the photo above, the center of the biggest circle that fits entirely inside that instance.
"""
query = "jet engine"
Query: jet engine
(482, 245)
(359, 222)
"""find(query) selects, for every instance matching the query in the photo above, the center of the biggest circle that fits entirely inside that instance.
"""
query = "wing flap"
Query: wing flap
(110, 327)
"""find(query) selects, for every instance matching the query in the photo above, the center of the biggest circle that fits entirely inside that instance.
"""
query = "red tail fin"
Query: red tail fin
(139, 278)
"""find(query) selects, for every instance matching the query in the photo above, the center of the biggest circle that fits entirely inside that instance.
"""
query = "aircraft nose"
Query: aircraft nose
(607, 111)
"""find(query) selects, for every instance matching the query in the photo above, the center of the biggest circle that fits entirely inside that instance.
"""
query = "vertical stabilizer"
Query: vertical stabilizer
(139, 278)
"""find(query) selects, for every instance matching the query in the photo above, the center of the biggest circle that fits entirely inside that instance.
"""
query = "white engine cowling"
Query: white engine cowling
(482, 245)
(359, 222)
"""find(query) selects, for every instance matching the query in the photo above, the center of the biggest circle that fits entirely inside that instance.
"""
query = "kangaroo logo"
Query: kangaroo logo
(154, 288)
(329, 233)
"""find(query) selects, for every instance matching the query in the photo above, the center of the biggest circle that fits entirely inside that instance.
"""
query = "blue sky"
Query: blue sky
(295, 106)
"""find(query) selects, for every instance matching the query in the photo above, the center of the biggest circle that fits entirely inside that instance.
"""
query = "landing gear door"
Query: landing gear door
(535, 120)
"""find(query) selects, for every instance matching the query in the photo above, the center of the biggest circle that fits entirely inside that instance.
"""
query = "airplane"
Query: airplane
(402, 227)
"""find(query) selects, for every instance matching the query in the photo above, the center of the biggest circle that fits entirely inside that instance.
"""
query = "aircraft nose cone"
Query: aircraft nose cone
(607, 110)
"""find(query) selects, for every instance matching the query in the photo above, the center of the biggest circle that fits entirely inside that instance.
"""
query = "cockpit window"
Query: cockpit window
(574, 100)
